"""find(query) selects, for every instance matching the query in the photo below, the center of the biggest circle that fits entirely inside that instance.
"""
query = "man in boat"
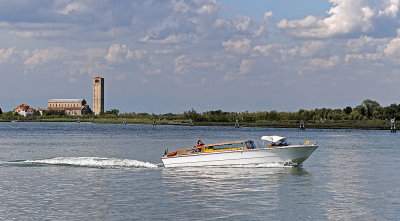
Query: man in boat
(199, 143)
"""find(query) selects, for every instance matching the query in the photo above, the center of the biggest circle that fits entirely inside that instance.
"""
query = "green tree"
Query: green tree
(356, 114)
(53, 113)
(273, 115)
(391, 111)
(36, 113)
(113, 111)
(305, 114)
(8, 115)
(192, 114)
(348, 110)
(371, 107)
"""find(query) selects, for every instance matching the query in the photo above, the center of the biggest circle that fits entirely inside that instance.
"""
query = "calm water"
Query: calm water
(70, 171)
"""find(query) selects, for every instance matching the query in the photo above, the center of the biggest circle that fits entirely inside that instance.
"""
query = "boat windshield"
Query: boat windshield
(228, 146)
(283, 142)
(250, 144)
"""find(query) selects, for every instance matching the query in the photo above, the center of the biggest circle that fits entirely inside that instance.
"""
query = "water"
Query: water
(70, 171)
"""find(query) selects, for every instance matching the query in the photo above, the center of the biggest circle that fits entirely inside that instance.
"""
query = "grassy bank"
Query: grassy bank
(369, 115)
(342, 124)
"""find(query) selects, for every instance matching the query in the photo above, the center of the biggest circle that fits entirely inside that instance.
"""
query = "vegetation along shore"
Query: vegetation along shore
(368, 115)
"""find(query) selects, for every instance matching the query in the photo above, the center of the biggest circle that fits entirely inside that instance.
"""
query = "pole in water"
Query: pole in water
(393, 125)
(302, 127)
(154, 121)
(237, 125)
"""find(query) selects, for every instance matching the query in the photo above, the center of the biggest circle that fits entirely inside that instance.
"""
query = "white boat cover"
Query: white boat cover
(273, 139)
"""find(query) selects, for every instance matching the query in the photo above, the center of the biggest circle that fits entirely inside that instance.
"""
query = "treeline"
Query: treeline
(367, 110)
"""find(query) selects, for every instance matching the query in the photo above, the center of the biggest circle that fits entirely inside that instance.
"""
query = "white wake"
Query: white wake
(265, 165)
(94, 162)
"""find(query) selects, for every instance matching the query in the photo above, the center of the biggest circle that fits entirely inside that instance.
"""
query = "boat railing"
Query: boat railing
(266, 144)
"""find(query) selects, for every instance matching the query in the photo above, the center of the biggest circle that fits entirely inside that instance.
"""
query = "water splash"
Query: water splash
(93, 162)
(265, 165)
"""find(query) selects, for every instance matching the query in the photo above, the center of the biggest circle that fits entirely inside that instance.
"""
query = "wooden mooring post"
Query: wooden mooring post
(393, 125)
(302, 127)
(237, 125)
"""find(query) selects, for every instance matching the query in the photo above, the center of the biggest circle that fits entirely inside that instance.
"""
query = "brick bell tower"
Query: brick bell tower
(98, 95)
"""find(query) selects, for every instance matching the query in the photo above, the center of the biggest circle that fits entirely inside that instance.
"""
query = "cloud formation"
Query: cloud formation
(192, 46)
(6, 54)
(344, 18)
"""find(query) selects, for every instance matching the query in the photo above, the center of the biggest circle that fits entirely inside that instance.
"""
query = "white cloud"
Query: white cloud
(180, 6)
(324, 64)
(154, 71)
(242, 23)
(6, 54)
(350, 57)
(245, 66)
(221, 22)
(184, 64)
(181, 64)
(41, 56)
(45, 30)
(308, 49)
(94, 53)
(361, 44)
(345, 17)
(238, 47)
(263, 49)
(175, 43)
(392, 49)
(228, 77)
(268, 15)
(72, 8)
(82, 67)
(207, 9)
(121, 53)
(391, 8)
(382, 50)
(170, 39)
(118, 53)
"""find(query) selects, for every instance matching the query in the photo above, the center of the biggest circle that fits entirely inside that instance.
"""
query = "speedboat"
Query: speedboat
(272, 150)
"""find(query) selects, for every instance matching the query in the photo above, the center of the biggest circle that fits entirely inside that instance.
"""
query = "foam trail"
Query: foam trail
(94, 162)
(266, 165)
(273, 165)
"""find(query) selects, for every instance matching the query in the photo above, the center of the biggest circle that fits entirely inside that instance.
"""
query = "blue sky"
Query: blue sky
(171, 56)
(289, 9)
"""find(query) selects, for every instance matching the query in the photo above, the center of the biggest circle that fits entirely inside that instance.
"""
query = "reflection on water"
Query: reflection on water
(70, 171)
(236, 193)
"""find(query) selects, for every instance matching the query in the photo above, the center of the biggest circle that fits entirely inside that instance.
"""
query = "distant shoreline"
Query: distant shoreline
(350, 124)
(369, 115)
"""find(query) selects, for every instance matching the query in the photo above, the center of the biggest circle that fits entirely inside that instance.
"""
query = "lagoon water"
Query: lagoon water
(70, 171)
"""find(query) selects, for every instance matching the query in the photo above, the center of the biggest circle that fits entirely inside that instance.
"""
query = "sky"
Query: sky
(160, 56)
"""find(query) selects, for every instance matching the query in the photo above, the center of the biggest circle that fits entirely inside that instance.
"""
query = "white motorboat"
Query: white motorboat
(273, 149)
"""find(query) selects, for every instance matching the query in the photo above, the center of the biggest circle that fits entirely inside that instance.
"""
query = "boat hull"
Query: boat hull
(287, 155)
